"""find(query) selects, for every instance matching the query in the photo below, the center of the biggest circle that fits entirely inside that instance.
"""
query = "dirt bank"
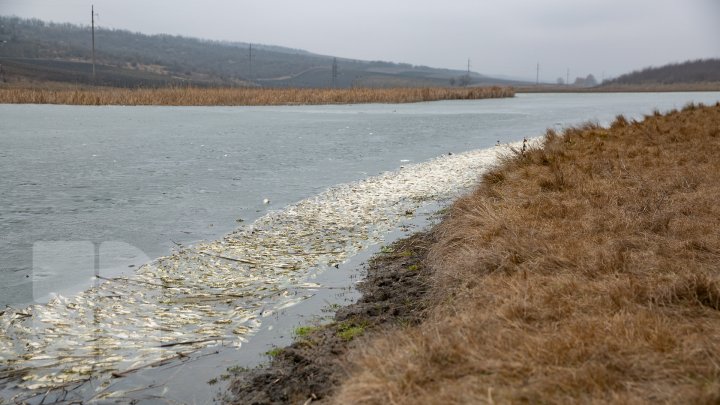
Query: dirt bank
(394, 296)
(583, 271)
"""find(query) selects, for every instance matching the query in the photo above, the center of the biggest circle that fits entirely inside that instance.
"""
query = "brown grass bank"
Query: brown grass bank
(241, 96)
(622, 88)
(587, 270)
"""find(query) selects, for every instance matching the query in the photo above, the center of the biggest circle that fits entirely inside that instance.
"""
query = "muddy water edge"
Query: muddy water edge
(394, 294)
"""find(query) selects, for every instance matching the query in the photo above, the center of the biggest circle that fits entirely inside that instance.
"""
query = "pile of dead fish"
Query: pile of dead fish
(217, 293)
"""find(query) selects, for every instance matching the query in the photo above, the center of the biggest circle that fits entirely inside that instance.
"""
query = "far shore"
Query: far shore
(626, 88)
(194, 96)
(71, 94)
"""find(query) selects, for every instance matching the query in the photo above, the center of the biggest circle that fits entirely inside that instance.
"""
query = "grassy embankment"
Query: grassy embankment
(182, 96)
(586, 270)
(622, 88)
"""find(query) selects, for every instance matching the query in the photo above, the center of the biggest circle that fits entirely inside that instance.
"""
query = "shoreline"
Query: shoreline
(395, 294)
(252, 97)
(444, 353)
(545, 183)
(215, 293)
(630, 88)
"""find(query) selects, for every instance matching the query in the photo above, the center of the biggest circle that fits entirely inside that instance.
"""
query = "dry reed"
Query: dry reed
(184, 96)
(587, 270)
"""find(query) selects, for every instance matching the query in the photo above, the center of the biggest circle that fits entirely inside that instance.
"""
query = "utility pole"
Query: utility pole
(567, 80)
(468, 73)
(334, 72)
(537, 75)
(92, 25)
(250, 63)
(2, 71)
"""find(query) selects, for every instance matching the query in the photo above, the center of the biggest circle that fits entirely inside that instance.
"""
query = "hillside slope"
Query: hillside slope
(38, 50)
(697, 71)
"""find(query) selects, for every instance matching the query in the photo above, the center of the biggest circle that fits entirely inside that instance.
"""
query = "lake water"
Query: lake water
(111, 188)
(155, 176)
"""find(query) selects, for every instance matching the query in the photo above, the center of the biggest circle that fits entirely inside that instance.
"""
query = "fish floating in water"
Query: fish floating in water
(217, 293)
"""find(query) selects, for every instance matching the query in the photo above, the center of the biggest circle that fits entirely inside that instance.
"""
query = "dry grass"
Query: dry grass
(241, 96)
(587, 270)
(622, 88)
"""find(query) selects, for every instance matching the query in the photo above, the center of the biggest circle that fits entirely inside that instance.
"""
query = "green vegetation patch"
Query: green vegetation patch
(274, 352)
(304, 331)
(348, 331)
(387, 249)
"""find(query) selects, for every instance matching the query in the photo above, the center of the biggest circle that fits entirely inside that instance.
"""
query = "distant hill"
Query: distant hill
(36, 50)
(690, 72)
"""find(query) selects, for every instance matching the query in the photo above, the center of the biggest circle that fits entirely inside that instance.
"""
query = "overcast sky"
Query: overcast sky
(500, 37)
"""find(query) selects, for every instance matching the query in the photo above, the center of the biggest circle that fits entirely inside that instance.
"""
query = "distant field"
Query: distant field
(321, 77)
(49, 72)
(80, 73)
(191, 96)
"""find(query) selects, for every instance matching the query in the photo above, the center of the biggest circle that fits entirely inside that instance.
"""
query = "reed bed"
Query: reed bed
(584, 271)
(243, 96)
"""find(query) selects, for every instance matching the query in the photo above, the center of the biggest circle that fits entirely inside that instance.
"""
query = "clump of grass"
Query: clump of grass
(190, 96)
(304, 331)
(232, 372)
(348, 331)
(582, 271)
(274, 352)
(331, 307)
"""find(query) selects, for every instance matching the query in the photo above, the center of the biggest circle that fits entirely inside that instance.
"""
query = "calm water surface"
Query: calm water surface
(154, 177)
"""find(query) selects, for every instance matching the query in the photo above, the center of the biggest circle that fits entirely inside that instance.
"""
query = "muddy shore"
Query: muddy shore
(394, 295)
